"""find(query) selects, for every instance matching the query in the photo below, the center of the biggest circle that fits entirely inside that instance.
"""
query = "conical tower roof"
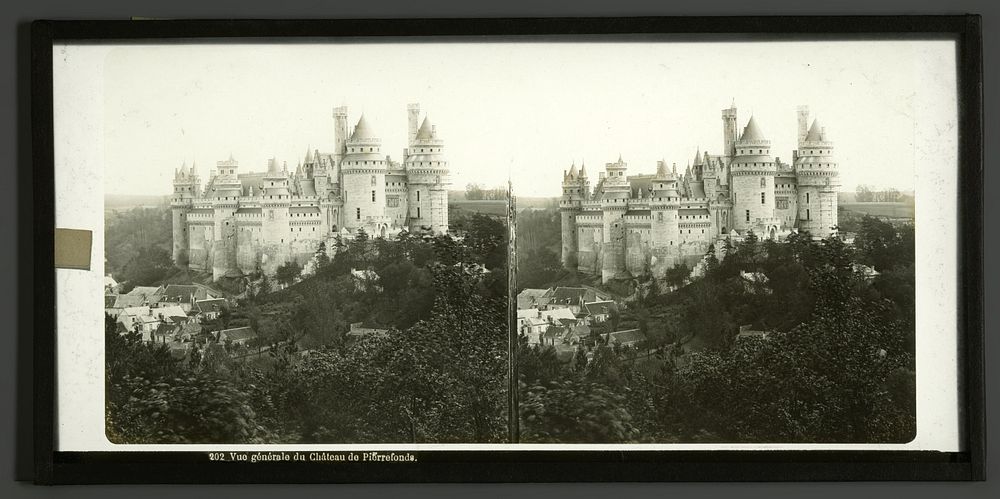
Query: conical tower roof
(752, 131)
(816, 132)
(572, 170)
(426, 131)
(309, 155)
(362, 130)
(697, 156)
(583, 170)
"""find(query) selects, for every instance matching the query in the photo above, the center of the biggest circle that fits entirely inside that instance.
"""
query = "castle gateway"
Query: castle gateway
(241, 222)
(632, 225)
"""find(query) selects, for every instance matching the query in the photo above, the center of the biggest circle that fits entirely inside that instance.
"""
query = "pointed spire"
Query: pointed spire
(619, 158)
(697, 156)
(674, 169)
(362, 130)
(816, 132)
(583, 169)
(309, 155)
(752, 131)
(572, 170)
(426, 131)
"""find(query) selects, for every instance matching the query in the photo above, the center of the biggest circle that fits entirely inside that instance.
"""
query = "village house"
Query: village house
(533, 298)
(209, 309)
(533, 322)
(746, 333)
(599, 311)
(625, 338)
(186, 295)
(236, 335)
(358, 330)
(574, 298)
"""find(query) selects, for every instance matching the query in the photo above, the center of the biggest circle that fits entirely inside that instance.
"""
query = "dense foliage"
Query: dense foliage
(833, 360)
(428, 370)
(137, 245)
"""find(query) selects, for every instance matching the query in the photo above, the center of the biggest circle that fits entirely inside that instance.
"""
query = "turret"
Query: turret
(427, 177)
(363, 169)
(818, 179)
(753, 171)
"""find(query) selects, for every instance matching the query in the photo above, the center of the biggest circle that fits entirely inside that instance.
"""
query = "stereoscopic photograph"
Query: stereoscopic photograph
(300, 248)
(717, 245)
(625, 244)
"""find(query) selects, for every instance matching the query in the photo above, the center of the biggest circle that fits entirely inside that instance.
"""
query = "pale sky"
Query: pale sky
(523, 111)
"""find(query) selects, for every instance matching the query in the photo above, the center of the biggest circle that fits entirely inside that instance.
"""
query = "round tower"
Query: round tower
(752, 170)
(363, 189)
(186, 187)
(818, 179)
(276, 233)
(427, 180)
(663, 207)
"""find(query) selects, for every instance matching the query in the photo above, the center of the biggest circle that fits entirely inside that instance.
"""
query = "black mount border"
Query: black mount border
(52, 467)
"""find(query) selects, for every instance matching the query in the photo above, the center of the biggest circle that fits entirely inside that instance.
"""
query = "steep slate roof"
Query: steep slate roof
(625, 337)
(600, 307)
(211, 305)
(109, 301)
(528, 297)
(144, 290)
(565, 295)
(752, 131)
(236, 334)
(181, 293)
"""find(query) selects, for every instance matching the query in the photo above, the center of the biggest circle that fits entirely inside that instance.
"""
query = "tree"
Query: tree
(572, 411)
(677, 275)
(288, 272)
(322, 259)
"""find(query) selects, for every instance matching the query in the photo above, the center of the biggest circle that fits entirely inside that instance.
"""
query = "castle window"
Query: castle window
(373, 196)
(808, 217)
(373, 180)
(748, 215)
(418, 196)
(357, 213)
(418, 212)
(807, 198)
(763, 181)
(762, 198)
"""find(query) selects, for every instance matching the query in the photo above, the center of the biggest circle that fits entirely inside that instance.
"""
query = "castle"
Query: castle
(632, 225)
(243, 222)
